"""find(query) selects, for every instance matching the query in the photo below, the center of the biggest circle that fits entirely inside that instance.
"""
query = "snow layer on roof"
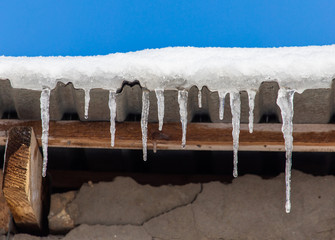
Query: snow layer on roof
(229, 69)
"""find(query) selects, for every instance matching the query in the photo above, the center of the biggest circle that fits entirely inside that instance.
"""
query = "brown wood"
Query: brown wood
(22, 181)
(4, 210)
(200, 136)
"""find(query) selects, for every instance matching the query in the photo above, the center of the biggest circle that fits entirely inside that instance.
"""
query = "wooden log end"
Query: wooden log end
(22, 181)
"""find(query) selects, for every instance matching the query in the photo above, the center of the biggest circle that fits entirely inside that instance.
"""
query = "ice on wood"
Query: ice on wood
(285, 103)
(222, 95)
(144, 121)
(251, 97)
(235, 105)
(44, 104)
(87, 102)
(160, 107)
(182, 101)
(112, 111)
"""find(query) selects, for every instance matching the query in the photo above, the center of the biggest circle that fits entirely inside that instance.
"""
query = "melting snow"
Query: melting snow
(222, 95)
(251, 97)
(144, 121)
(112, 110)
(285, 102)
(219, 69)
(199, 98)
(235, 105)
(44, 102)
(182, 100)
(87, 101)
(160, 107)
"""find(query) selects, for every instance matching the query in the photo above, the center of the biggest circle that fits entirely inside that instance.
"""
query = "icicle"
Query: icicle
(155, 146)
(160, 107)
(44, 104)
(112, 110)
(222, 96)
(87, 101)
(285, 102)
(235, 105)
(144, 121)
(251, 97)
(200, 98)
(182, 100)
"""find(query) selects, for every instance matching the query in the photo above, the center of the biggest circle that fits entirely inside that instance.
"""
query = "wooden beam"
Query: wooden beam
(4, 211)
(22, 180)
(200, 136)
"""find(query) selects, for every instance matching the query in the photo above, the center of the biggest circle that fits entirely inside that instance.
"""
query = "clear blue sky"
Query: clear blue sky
(92, 27)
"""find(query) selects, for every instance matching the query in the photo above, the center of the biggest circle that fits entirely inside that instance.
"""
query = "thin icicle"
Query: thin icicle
(182, 101)
(44, 104)
(235, 105)
(222, 95)
(144, 121)
(285, 102)
(160, 107)
(155, 146)
(87, 101)
(251, 97)
(112, 110)
(200, 98)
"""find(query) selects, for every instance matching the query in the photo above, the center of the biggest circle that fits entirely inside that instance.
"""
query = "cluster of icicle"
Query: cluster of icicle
(284, 101)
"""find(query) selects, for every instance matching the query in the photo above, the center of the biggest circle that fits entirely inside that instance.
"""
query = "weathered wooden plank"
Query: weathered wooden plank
(200, 136)
(22, 180)
(4, 210)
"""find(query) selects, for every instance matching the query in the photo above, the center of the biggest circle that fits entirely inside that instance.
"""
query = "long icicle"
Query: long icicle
(235, 105)
(87, 101)
(44, 104)
(199, 98)
(144, 121)
(160, 107)
(222, 95)
(285, 103)
(182, 101)
(251, 97)
(112, 110)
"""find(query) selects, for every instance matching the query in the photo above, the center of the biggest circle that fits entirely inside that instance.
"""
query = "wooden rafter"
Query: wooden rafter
(200, 136)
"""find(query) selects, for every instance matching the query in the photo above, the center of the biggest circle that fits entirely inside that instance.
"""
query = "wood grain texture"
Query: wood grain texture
(4, 210)
(200, 136)
(22, 180)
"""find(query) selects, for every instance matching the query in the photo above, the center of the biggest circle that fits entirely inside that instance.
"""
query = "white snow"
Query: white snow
(225, 70)
(160, 107)
(44, 103)
(182, 101)
(235, 105)
(144, 121)
(231, 69)
(285, 102)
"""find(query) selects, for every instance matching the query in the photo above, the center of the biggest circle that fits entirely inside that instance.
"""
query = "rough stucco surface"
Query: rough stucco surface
(126, 232)
(249, 208)
(124, 201)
